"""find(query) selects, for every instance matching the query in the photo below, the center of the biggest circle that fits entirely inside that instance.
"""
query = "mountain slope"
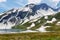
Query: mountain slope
(43, 24)
(23, 16)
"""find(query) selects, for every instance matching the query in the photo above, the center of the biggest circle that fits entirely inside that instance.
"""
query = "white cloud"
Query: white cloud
(56, 0)
(34, 1)
(3, 0)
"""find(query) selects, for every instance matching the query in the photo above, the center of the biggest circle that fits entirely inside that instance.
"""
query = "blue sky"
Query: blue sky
(9, 4)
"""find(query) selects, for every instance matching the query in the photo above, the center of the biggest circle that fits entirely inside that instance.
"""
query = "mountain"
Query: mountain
(43, 6)
(49, 23)
(21, 18)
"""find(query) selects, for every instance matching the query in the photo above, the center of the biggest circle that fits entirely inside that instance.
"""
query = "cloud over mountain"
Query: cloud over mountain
(34, 1)
(3, 0)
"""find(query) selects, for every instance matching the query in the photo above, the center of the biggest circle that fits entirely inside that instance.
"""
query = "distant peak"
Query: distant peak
(43, 4)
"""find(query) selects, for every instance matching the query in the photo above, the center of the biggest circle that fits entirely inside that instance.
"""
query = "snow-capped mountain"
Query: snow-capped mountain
(20, 16)
(49, 23)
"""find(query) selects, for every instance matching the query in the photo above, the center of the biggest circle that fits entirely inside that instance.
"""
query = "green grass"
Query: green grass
(53, 28)
(31, 36)
(22, 27)
(57, 16)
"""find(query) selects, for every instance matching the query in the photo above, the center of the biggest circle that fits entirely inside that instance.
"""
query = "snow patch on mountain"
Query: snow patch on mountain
(41, 29)
(46, 17)
(53, 20)
(26, 20)
(44, 12)
(58, 23)
(32, 25)
(6, 26)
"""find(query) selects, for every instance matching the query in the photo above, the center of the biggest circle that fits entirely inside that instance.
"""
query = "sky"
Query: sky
(9, 4)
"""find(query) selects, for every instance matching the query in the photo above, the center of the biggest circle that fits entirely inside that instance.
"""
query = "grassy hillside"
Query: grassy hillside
(31, 36)
(53, 27)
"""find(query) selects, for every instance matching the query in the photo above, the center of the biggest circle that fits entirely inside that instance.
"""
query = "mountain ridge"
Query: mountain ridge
(14, 17)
